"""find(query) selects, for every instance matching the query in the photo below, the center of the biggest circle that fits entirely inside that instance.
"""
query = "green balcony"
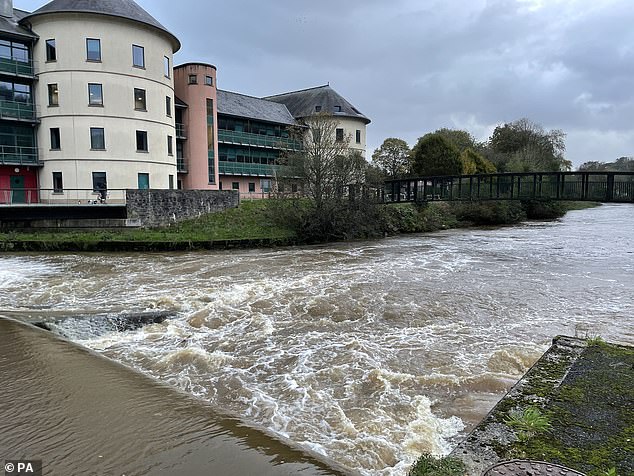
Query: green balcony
(257, 140)
(181, 131)
(15, 110)
(238, 168)
(15, 155)
(16, 67)
(181, 165)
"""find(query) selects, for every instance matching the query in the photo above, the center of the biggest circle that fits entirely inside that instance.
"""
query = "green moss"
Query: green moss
(429, 466)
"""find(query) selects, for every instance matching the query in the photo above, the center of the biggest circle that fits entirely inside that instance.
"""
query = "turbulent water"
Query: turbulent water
(369, 353)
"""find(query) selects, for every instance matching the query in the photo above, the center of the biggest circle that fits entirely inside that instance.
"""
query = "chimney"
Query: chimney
(6, 8)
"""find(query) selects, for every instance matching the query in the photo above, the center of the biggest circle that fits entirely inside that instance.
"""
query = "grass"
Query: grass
(427, 465)
(528, 423)
(253, 220)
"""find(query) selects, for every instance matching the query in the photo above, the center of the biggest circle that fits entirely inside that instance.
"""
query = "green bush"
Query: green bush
(489, 213)
(429, 466)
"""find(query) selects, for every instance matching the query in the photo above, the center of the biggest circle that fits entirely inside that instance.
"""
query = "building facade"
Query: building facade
(91, 105)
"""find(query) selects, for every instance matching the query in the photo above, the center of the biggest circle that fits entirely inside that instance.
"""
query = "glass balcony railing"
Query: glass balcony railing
(247, 138)
(21, 111)
(238, 168)
(14, 155)
(181, 131)
(16, 67)
(181, 165)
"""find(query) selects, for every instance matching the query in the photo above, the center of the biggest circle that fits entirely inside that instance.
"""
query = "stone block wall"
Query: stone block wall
(152, 208)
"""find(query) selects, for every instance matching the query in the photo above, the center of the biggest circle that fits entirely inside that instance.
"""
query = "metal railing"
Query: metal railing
(23, 111)
(239, 168)
(181, 131)
(15, 155)
(17, 67)
(248, 138)
(181, 165)
(64, 197)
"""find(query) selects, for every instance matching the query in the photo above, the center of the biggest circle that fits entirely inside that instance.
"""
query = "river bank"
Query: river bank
(261, 224)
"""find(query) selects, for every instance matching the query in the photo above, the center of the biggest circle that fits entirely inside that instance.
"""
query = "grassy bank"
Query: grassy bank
(271, 223)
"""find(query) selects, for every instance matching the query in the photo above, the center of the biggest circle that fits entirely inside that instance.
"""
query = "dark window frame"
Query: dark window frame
(53, 95)
(56, 138)
(142, 145)
(137, 100)
(339, 135)
(167, 67)
(58, 183)
(168, 106)
(192, 79)
(96, 59)
(233, 186)
(97, 87)
(94, 145)
(170, 146)
(358, 136)
(135, 49)
(51, 50)
(209, 80)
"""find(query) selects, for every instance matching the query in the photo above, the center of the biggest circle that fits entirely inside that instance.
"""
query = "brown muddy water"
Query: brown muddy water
(367, 353)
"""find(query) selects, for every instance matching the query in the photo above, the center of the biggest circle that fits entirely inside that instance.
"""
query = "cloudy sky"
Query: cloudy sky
(414, 66)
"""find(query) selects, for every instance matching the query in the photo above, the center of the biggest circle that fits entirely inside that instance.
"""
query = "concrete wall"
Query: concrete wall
(350, 127)
(161, 207)
(115, 72)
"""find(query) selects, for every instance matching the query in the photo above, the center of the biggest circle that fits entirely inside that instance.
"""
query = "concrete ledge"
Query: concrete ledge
(586, 391)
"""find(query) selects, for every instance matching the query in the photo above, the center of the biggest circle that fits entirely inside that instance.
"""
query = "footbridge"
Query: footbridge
(615, 187)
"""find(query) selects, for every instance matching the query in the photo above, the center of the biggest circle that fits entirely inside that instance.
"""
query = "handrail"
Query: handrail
(64, 197)
(240, 168)
(8, 64)
(17, 110)
(16, 155)
(249, 138)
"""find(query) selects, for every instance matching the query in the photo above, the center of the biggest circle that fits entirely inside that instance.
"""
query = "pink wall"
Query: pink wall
(195, 148)
(227, 181)
(30, 182)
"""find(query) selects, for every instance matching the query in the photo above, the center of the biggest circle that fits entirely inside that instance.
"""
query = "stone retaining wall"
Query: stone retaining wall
(151, 208)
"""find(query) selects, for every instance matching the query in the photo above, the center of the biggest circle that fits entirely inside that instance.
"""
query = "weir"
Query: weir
(615, 187)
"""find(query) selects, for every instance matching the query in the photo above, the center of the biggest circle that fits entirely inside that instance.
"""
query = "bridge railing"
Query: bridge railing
(590, 186)
(65, 197)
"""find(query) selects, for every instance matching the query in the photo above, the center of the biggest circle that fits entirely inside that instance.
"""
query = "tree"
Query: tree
(523, 146)
(433, 156)
(325, 165)
(393, 157)
(474, 163)
(461, 140)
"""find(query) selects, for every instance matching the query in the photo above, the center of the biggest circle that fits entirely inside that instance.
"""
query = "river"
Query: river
(368, 353)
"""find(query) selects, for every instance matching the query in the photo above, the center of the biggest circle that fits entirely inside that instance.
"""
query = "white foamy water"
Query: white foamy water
(369, 353)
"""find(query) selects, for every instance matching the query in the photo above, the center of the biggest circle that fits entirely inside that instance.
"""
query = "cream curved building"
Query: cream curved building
(105, 94)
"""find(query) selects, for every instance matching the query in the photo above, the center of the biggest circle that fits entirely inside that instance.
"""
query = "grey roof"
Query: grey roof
(307, 102)
(11, 27)
(239, 105)
(117, 8)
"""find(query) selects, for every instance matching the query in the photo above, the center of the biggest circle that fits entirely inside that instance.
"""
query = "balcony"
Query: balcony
(181, 131)
(257, 140)
(238, 168)
(16, 67)
(17, 111)
(14, 155)
(181, 165)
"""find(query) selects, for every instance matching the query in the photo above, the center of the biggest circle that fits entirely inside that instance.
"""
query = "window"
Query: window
(139, 100)
(141, 141)
(166, 64)
(220, 185)
(358, 136)
(11, 91)
(93, 49)
(339, 135)
(251, 187)
(235, 185)
(58, 183)
(266, 185)
(171, 182)
(14, 51)
(99, 182)
(53, 95)
(209, 80)
(317, 108)
(144, 181)
(168, 106)
(336, 109)
(95, 94)
(170, 145)
(138, 56)
(193, 79)
(51, 50)
(97, 138)
(56, 143)
(294, 188)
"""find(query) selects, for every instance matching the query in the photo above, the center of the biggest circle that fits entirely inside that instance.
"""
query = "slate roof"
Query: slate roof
(239, 105)
(11, 27)
(117, 8)
(305, 103)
